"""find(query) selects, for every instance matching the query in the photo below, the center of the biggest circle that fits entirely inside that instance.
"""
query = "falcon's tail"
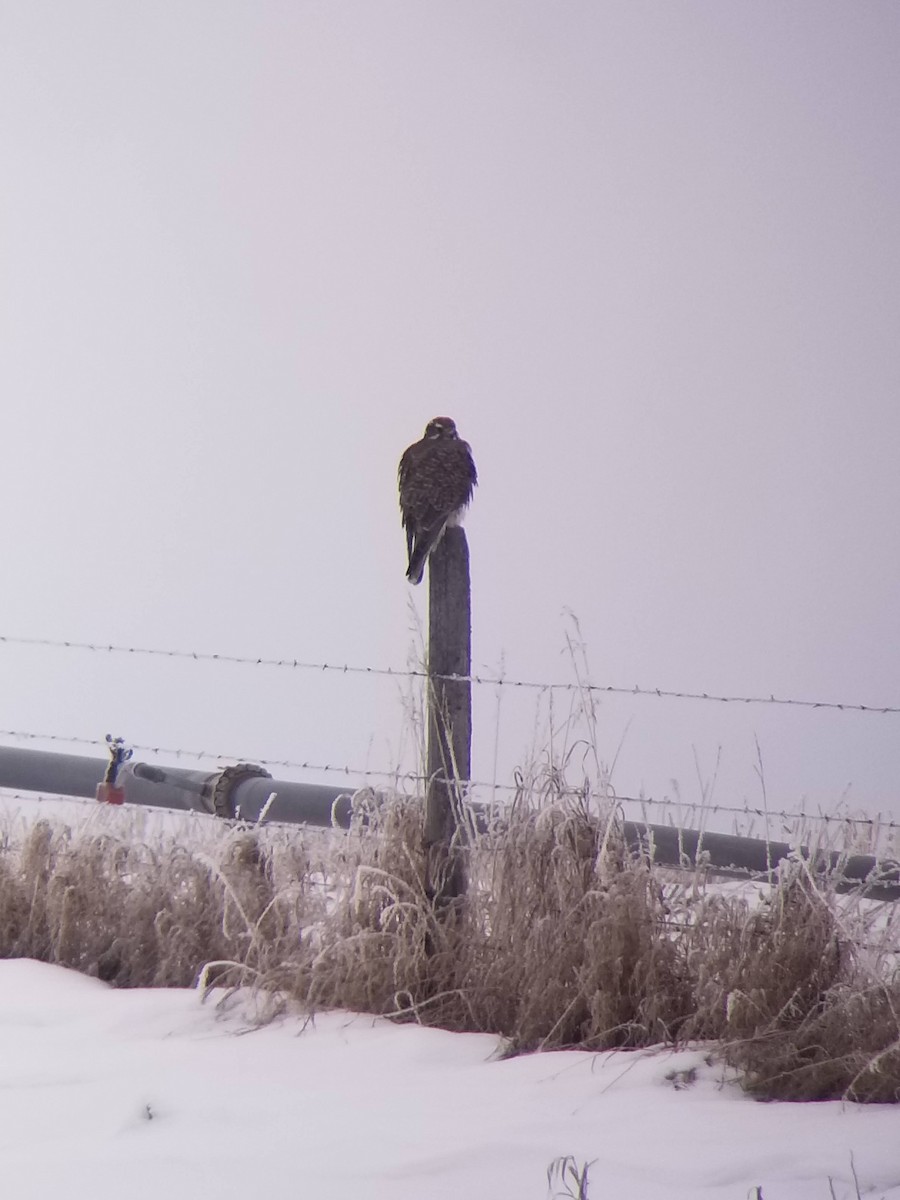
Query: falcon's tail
(417, 561)
(420, 549)
(415, 571)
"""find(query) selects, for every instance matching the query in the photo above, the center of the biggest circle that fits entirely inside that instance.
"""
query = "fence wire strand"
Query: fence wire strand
(478, 680)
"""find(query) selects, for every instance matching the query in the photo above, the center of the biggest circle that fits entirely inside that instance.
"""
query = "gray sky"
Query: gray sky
(645, 254)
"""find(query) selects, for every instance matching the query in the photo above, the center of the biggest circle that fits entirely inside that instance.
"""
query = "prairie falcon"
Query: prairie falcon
(437, 476)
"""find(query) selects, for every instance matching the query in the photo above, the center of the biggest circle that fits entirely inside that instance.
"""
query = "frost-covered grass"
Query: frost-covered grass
(563, 941)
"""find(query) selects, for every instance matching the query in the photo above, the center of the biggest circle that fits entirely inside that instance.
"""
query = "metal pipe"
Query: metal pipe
(243, 791)
(170, 787)
(742, 857)
(40, 771)
(306, 803)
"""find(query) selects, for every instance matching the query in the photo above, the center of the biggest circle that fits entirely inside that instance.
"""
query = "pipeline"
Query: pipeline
(244, 791)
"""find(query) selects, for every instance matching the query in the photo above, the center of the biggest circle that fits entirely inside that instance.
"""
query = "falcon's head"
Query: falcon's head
(441, 427)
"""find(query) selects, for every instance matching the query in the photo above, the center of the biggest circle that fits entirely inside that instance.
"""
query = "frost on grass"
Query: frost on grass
(565, 939)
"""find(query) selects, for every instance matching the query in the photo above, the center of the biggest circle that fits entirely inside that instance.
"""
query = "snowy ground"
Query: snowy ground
(154, 1094)
(157, 1095)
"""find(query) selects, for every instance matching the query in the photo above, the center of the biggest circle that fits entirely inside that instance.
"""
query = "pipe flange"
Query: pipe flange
(221, 795)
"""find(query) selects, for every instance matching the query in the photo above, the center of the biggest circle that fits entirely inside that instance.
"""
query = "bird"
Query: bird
(436, 476)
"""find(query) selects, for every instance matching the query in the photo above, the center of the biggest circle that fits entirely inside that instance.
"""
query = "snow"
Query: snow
(160, 1095)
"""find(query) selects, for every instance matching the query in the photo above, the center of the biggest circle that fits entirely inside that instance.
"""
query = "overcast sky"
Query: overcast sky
(645, 253)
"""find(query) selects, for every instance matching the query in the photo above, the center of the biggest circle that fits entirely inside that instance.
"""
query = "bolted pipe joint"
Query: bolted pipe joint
(221, 796)
(211, 792)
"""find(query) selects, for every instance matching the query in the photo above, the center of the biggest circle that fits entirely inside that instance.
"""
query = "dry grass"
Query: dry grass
(787, 988)
(564, 940)
(150, 912)
(567, 1179)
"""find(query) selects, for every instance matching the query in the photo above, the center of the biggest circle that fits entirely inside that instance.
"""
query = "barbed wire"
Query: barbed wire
(41, 797)
(479, 680)
(549, 784)
(747, 811)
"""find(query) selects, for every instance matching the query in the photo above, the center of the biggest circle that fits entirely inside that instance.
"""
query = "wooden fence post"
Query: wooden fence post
(449, 749)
